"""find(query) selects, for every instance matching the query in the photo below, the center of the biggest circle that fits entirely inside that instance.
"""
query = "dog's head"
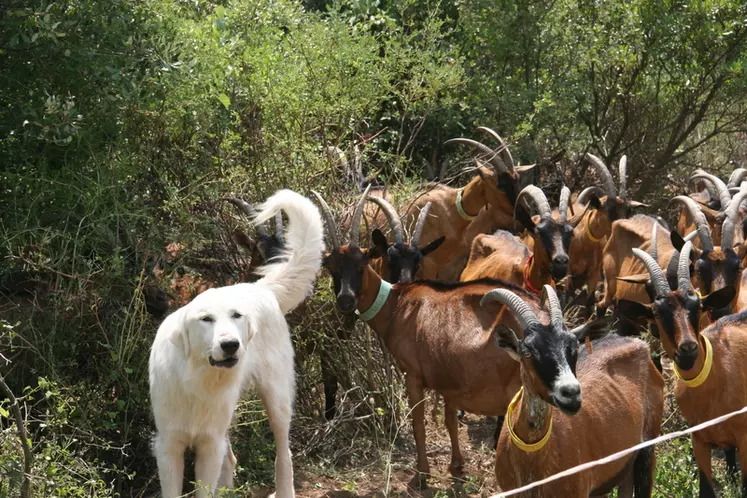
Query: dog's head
(214, 327)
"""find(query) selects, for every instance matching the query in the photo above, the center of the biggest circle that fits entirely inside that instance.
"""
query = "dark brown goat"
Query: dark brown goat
(550, 429)
(438, 335)
(499, 256)
(710, 384)
(495, 187)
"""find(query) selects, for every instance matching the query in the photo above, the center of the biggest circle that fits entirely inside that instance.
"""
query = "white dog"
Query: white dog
(205, 352)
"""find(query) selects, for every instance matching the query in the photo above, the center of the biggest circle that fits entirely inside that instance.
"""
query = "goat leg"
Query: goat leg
(703, 458)
(452, 424)
(417, 406)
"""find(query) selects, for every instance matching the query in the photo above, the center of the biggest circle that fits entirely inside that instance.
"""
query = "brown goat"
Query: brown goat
(710, 384)
(494, 188)
(439, 336)
(501, 256)
(550, 429)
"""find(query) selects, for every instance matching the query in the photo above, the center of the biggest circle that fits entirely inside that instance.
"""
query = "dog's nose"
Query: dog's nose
(230, 346)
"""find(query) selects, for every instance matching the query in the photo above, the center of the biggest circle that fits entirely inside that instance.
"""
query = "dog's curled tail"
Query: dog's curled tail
(291, 277)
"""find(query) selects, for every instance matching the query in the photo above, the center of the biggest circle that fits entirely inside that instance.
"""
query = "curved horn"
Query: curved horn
(495, 161)
(279, 228)
(604, 174)
(583, 197)
(355, 223)
(654, 242)
(395, 223)
(504, 152)
(737, 177)
(521, 310)
(328, 219)
(701, 224)
(657, 275)
(623, 170)
(565, 197)
(556, 312)
(683, 268)
(539, 199)
(422, 217)
(730, 223)
(248, 210)
(723, 192)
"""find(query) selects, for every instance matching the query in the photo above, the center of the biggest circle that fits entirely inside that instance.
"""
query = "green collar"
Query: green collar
(381, 298)
(460, 208)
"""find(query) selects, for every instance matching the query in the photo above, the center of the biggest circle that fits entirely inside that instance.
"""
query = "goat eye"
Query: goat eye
(207, 319)
(236, 315)
(527, 354)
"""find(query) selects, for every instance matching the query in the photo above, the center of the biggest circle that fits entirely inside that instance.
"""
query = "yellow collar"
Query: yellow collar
(703, 375)
(588, 230)
(529, 448)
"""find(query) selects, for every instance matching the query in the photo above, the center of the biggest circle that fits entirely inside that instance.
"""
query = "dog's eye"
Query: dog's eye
(236, 315)
(207, 319)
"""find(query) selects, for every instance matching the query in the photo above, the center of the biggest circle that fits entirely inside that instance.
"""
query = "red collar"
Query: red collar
(527, 283)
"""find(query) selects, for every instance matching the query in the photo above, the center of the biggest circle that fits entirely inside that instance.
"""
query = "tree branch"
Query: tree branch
(26, 485)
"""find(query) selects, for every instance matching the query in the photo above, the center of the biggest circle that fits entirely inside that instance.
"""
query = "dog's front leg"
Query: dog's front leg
(209, 454)
(226, 471)
(278, 403)
(169, 451)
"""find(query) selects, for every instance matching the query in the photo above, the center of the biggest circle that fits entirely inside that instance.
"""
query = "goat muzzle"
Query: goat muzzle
(559, 267)
(686, 355)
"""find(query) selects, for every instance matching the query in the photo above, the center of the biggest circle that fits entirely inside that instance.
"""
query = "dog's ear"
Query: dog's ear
(175, 327)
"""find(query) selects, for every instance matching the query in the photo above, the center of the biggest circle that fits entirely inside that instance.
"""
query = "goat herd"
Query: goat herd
(473, 313)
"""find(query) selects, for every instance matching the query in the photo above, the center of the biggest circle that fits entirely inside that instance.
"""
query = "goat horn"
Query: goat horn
(704, 231)
(279, 228)
(556, 312)
(495, 161)
(623, 170)
(422, 217)
(657, 275)
(565, 197)
(521, 310)
(328, 219)
(604, 174)
(248, 210)
(683, 268)
(585, 193)
(654, 242)
(727, 229)
(355, 224)
(737, 177)
(539, 199)
(723, 192)
(394, 220)
(504, 152)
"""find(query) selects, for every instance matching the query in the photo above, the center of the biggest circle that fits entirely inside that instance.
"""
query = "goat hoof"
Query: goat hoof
(456, 469)
(419, 481)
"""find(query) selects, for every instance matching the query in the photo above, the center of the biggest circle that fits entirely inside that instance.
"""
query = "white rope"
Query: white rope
(620, 454)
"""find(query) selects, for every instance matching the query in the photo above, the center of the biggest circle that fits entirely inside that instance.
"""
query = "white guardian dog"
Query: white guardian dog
(205, 352)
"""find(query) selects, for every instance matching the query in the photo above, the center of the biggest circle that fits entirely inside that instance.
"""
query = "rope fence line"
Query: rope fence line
(620, 454)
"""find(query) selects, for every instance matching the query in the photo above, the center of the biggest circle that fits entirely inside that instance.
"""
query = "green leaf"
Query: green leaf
(224, 100)
(4, 413)
(220, 11)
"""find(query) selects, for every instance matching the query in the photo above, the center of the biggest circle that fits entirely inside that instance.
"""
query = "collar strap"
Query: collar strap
(460, 208)
(381, 298)
(529, 448)
(703, 375)
(527, 283)
(588, 231)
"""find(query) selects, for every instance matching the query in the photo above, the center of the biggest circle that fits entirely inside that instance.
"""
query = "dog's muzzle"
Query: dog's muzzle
(227, 363)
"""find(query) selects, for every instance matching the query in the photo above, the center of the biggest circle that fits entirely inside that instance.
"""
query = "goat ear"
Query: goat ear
(720, 298)
(506, 339)
(636, 204)
(432, 246)
(677, 240)
(641, 278)
(595, 329)
(380, 244)
(633, 310)
(175, 328)
(524, 217)
(741, 249)
(524, 169)
(594, 202)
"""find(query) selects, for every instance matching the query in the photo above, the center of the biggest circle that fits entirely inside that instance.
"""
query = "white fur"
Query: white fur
(193, 401)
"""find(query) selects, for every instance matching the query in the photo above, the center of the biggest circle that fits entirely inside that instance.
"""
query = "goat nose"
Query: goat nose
(688, 347)
(230, 346)
(560, 259)
(570, 390)
(346, 302)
